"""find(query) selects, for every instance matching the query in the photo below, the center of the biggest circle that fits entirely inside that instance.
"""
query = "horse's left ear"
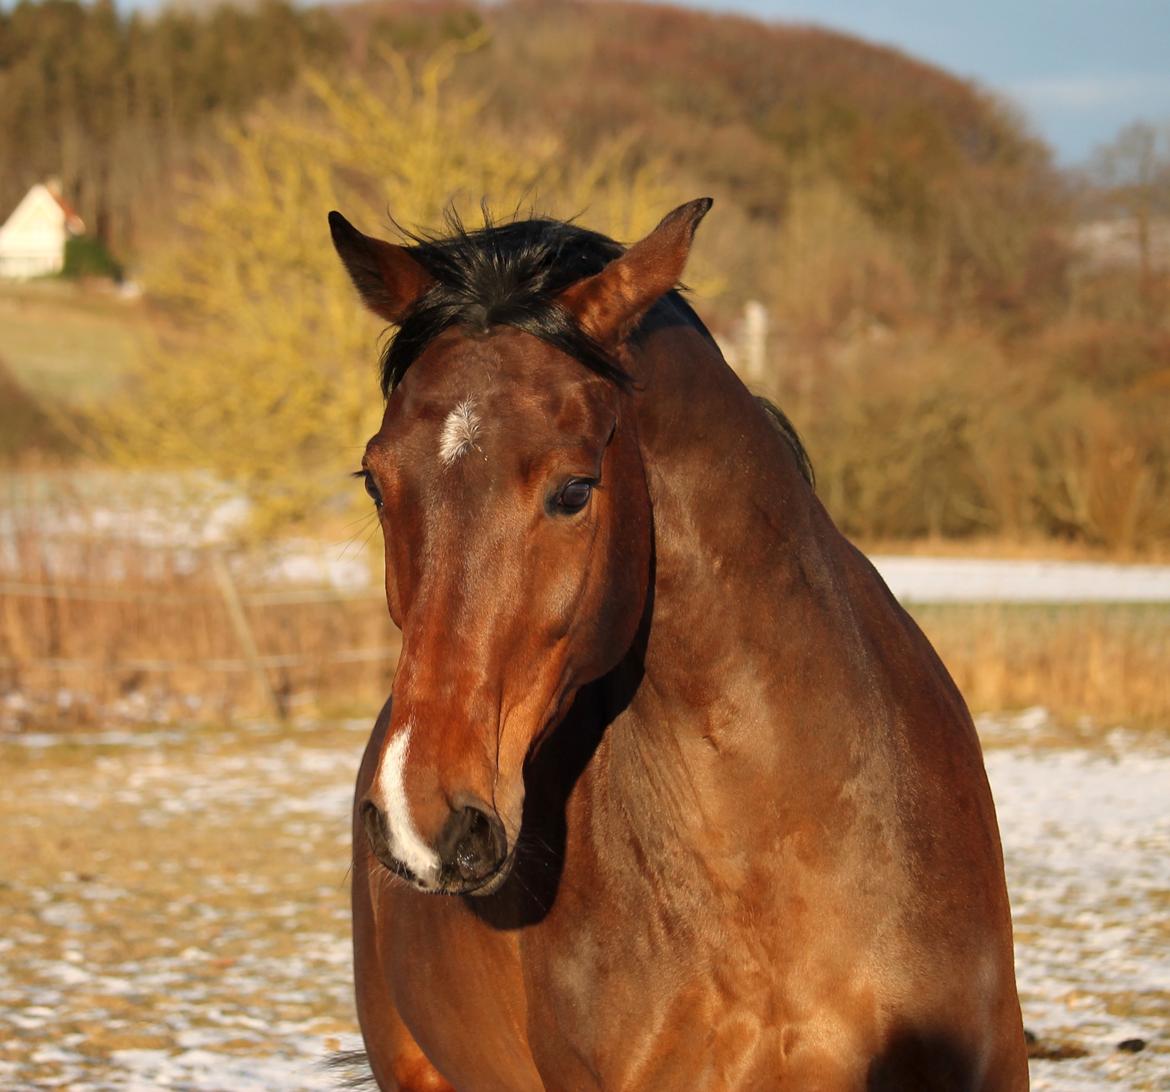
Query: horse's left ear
(609, 304)
(387, 278)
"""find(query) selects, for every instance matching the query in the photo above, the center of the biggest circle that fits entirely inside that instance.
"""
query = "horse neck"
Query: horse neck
(758, 659)
(739, 536)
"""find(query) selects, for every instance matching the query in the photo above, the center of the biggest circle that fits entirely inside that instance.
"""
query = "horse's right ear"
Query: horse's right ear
(387, 278)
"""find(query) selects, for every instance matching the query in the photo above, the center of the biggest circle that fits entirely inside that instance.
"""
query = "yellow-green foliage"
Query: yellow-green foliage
(834, 269)
(271, 381)
(1061, 436)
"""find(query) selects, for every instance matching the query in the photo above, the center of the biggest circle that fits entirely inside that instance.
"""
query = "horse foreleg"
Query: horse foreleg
(397, 1061)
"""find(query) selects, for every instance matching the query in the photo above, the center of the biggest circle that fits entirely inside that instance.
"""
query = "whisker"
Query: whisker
(517, 874)
(372, 518)
(362, 519)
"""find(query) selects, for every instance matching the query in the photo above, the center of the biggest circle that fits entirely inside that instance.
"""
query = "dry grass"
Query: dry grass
(97, 628)
(65, 342)
(123, 632)
(93, 631)
(1021, 548)
(1108, 664)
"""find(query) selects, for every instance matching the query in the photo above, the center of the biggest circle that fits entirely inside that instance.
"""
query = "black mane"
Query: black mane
(506, 275)
(510, 275)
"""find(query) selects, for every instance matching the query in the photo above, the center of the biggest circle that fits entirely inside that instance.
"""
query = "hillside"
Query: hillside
(739, 102)
(955, 369)
(749, 112)
(117, 104)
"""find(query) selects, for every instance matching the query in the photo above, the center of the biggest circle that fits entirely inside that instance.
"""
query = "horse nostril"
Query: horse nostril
(472, 845)
(475, 845)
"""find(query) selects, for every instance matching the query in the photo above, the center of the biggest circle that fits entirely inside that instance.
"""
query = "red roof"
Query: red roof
(73, 220)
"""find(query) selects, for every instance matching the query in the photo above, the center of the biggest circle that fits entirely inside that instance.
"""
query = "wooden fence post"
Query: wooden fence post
(243, 631)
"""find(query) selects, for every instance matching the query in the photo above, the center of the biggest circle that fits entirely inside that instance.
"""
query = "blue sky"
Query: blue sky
(1078, 69)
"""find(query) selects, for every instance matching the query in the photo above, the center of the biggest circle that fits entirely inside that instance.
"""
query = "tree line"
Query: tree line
(113, 104)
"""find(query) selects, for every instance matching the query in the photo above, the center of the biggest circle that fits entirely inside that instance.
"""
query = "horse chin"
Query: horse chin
(397, 868)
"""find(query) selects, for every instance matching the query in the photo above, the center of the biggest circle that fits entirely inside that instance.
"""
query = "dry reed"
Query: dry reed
(101, 630)
(1108, 664)
(94, 631)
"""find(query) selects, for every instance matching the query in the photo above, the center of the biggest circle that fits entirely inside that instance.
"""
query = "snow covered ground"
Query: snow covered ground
(993, 580)
(173, 913)
(1086, 835)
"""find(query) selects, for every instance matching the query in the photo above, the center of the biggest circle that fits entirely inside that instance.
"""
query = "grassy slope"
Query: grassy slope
(60, 341)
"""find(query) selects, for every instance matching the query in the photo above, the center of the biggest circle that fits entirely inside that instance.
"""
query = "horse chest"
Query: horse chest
(630, 982)
(673, 965)
(617, 1012)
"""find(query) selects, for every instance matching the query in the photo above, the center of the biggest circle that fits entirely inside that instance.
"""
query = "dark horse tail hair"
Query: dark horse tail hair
(352, 1068)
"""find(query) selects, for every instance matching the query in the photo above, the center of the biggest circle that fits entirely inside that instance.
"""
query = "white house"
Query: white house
(32, 239)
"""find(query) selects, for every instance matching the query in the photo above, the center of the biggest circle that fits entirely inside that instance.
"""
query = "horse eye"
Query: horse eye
(574, 496)
(371, 488)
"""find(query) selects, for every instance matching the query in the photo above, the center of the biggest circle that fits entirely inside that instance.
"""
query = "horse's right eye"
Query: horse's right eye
(573, 496)
(371, 487)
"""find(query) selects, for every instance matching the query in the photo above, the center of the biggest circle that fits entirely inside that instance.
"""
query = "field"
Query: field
(175, 909)
(59, 342)
(112, 608)
(1090, 665)
(175, 914)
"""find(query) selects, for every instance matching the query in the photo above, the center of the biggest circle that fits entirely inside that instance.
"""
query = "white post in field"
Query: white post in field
(755, 342)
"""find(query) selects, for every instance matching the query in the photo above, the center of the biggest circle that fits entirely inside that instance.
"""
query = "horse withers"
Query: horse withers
(670, 792)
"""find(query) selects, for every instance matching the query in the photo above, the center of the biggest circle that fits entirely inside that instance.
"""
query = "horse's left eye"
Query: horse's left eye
(574, 495)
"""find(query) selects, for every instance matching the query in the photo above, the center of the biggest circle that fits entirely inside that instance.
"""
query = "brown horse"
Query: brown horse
(671, 793)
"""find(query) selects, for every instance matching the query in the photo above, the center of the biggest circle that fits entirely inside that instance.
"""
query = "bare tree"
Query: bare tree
(1134, 170)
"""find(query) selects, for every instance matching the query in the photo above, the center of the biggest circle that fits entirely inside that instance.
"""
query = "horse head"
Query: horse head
(510, 486)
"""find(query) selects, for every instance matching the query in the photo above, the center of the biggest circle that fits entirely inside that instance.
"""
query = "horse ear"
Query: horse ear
(387, 278)
(609, 304)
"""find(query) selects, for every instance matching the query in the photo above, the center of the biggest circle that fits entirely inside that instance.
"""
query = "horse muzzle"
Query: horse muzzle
(470, 856)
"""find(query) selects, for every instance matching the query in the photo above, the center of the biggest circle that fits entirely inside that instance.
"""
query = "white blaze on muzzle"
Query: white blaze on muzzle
(388, 792)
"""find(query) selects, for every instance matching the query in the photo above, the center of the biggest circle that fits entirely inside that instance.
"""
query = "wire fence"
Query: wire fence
(182, 634)
(107, 631)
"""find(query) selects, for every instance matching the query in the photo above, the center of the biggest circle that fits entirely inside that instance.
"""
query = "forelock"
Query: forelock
(503, 275)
